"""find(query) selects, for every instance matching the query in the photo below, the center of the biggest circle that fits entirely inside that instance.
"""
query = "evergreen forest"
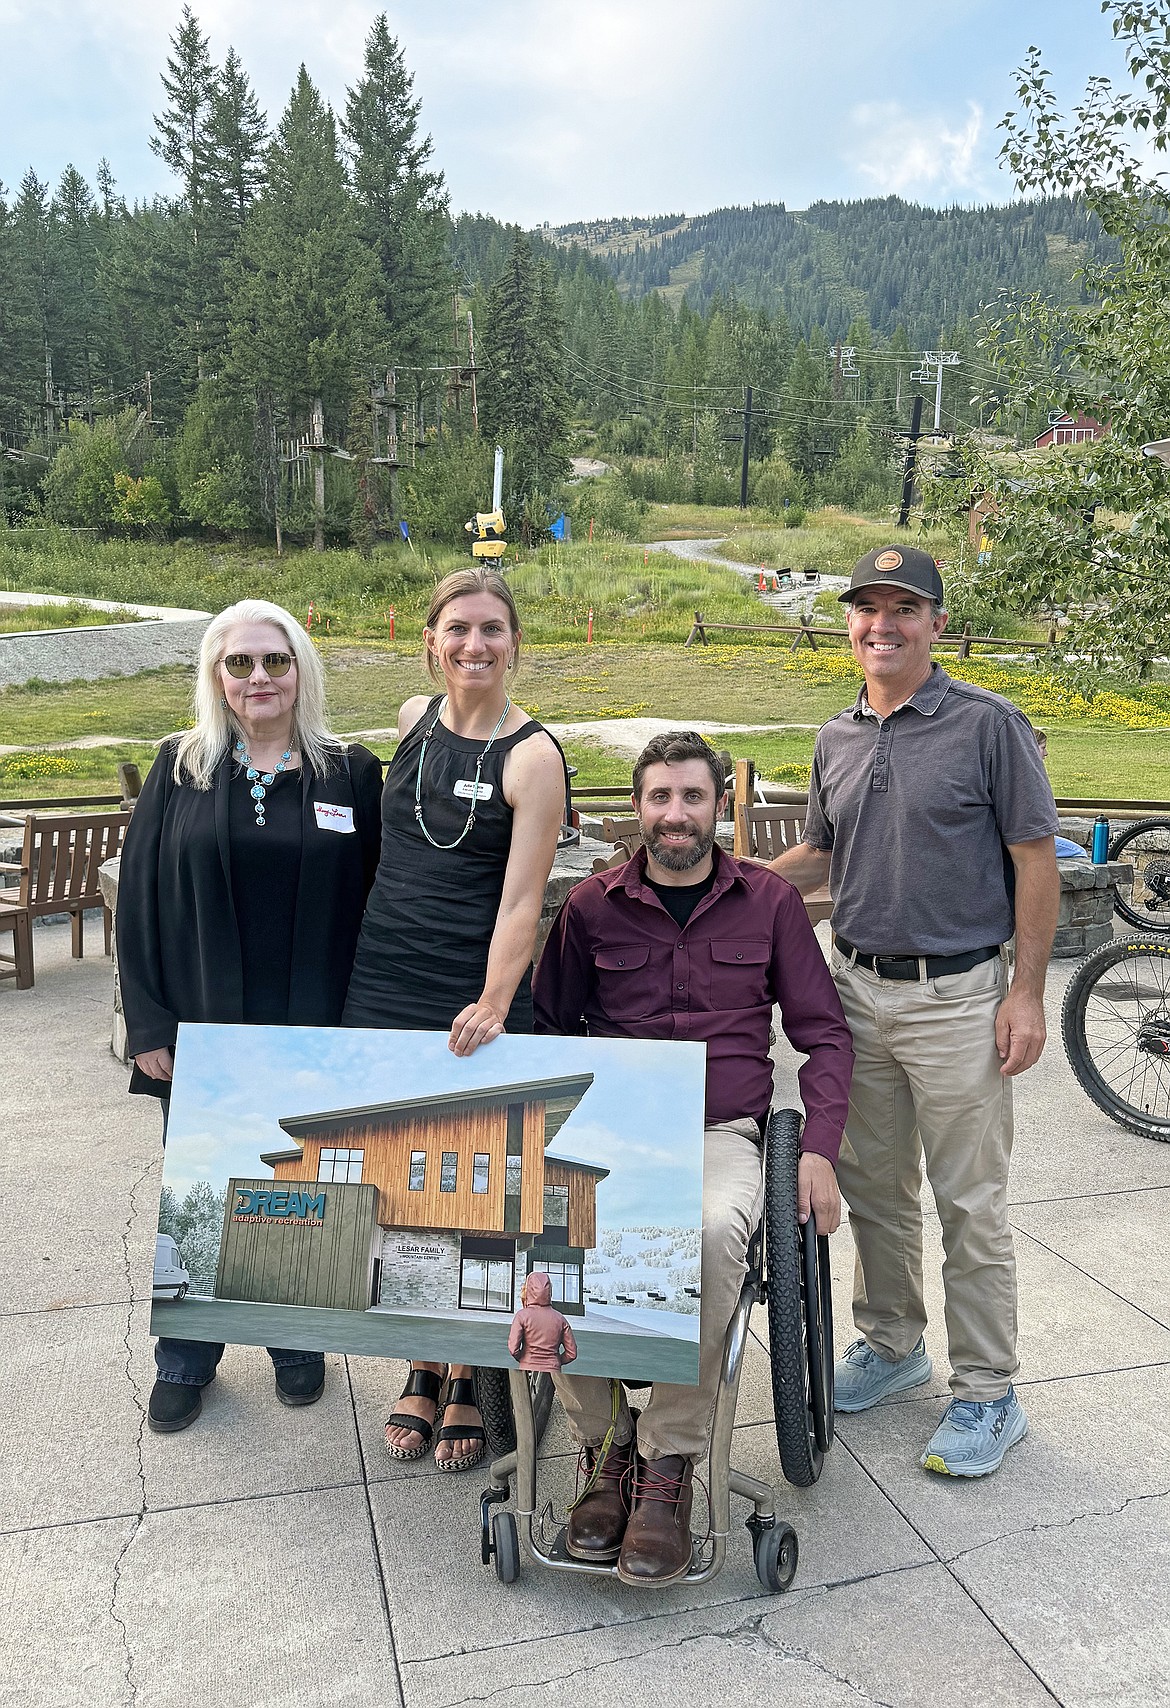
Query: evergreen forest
(302, 341)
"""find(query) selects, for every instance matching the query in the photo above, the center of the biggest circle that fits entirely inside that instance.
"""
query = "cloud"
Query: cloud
(903, 154)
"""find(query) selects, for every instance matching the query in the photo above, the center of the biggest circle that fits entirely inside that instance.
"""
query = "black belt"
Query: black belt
(909, 966)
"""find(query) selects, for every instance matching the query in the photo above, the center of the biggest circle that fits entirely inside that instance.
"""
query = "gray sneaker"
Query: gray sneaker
(863, 1376)
(972, 1438)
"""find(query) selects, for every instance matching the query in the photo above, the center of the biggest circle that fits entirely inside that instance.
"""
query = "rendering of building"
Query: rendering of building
(438, 1203)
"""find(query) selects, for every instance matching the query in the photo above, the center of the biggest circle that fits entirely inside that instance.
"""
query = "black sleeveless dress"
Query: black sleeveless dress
(423, 950)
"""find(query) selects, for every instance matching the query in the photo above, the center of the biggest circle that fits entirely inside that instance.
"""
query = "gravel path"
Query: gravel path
(799, 597)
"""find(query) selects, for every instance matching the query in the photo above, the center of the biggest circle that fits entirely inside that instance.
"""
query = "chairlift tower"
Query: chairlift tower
(937, 359)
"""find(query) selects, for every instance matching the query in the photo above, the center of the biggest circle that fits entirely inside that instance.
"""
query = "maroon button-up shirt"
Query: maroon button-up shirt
(617, 966)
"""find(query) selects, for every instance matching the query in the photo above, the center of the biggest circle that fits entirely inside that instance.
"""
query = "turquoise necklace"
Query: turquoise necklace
(261, 781)
(422, 753)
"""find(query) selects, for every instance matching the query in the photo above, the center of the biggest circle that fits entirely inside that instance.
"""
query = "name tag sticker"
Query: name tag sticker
(465, 790)
(330, 817)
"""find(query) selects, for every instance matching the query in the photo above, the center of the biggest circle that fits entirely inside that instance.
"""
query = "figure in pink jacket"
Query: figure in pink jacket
(540, 1337)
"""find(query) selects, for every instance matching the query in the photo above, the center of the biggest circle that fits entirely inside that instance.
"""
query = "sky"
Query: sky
(642, 1117)
(546, 110)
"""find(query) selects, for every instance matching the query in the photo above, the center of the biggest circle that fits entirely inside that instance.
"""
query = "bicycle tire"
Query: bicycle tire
(1140, 845)
(801, 1456)
(1115, 1025)
(493, 1396)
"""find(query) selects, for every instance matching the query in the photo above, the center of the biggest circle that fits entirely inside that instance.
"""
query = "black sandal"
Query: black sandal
(424, 1384)
(461, 1392)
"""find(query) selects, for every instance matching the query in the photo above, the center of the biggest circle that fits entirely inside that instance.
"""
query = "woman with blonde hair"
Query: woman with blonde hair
(474, 798)
(243, 877)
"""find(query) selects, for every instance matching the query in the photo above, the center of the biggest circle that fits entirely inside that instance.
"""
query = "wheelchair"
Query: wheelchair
(788, 1271)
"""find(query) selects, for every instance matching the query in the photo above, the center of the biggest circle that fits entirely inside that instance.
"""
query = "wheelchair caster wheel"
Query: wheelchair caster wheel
(776, 1552)
(505, 1547)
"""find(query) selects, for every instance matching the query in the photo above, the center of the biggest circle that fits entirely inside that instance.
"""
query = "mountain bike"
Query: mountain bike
(1145, 845)
(1115, 1024)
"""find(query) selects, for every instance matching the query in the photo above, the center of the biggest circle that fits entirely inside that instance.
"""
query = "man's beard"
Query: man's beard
(681, 859)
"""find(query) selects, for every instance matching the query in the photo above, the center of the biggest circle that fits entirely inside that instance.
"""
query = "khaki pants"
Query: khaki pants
(677, 1419)
(927, 1082)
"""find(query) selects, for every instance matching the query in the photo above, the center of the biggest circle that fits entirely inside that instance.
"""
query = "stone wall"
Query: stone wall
(420, 1268)
(1087, 893)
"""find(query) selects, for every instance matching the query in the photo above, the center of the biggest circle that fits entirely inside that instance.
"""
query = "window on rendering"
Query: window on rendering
(341, 1166)
(449, 1171)
(556, 1207)
(485, 1283)
(479, 1171)
(565, 1279)
(418, 1170)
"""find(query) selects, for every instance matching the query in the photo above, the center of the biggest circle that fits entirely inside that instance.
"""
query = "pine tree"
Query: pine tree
(77, 353)
(306, 321)
(237, 132)
(401, 201)
(36, 304)
(183, 140)
(523, 396)
(11, 332)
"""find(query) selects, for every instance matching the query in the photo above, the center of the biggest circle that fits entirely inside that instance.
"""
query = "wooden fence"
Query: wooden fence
(806, 632)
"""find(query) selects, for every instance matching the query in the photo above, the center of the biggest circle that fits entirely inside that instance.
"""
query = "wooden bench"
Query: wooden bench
(58, 873)
(766, 832)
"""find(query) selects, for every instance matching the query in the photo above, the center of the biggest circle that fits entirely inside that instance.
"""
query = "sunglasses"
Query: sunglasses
(242, 664)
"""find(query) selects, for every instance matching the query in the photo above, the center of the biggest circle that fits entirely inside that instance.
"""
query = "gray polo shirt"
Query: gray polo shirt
(917, 808)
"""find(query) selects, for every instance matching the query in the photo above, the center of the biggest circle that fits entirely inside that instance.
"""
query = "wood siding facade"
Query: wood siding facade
(582, 1186)
(326, 1261)
(470, 1130)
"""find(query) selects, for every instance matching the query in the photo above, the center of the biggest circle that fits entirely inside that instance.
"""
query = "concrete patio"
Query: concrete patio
(269, 1556)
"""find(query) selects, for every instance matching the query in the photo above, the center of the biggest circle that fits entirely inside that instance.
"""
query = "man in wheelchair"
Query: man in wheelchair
(685, 942)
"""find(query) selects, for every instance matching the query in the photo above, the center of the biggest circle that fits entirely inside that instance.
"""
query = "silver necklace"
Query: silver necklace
(422, 753)
(261, 781)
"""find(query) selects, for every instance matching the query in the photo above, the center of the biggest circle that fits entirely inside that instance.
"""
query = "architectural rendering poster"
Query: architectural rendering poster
(369, 1192)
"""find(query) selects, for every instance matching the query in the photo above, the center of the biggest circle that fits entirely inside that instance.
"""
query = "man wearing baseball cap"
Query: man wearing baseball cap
(932, 819)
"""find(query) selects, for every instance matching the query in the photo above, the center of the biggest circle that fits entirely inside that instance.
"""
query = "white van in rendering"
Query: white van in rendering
(171, 1280)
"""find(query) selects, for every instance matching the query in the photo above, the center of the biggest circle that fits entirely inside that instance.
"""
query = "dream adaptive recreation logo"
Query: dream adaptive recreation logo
(263, 1204)
(888, 560)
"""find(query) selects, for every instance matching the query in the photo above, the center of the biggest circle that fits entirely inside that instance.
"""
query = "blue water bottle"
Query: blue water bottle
(1100, 841)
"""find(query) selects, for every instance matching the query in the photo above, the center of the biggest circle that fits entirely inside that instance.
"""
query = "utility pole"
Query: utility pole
(392, 407)
(50, 414)
(471, 361)
(912, 439)
(149, 398)
(747, 432)
(318, 449)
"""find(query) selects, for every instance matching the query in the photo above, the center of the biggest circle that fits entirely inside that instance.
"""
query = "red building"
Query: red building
(1078, 429)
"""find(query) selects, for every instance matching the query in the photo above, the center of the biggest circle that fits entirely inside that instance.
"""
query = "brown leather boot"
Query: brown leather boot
(598, 1522)
(657, 1545)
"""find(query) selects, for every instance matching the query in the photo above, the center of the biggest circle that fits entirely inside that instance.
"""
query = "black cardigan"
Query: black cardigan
(178, 943)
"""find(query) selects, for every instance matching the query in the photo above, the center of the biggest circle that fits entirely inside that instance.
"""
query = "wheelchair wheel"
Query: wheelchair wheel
(494, 1399)
(1115, 1024)
(776, 1553)
(506, 1547)
(818, 1311)
(1146, 847)
(799, 1313)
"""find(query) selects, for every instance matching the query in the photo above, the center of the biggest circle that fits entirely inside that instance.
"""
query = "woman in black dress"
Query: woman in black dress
(473, 801)
(243, 877)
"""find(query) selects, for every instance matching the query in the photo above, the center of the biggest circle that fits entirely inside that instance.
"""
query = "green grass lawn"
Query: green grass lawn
(633, 595)
(22, 619)
(642, 605)
(1088, 754)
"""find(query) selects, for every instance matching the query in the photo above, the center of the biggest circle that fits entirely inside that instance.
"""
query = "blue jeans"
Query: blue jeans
(194, 1361)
